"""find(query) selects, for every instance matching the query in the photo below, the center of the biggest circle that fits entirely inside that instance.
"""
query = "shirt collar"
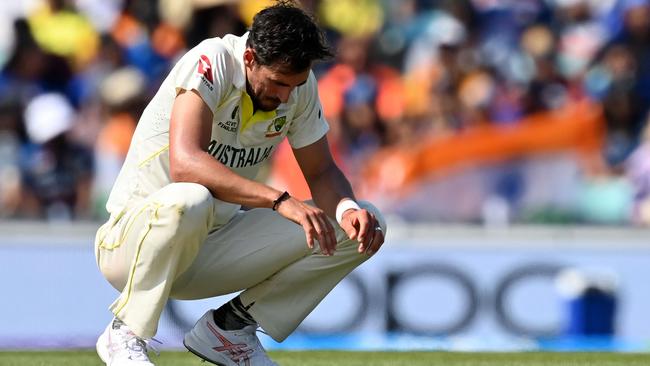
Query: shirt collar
(239, 46)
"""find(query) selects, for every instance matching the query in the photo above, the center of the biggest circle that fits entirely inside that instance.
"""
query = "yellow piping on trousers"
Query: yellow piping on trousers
(103, 245)
(166, 147)
(129, 286)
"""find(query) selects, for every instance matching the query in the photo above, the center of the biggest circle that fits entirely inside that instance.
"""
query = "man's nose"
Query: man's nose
(283, 93)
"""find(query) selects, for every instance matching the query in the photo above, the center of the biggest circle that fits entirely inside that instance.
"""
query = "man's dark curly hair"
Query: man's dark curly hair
(284, 36)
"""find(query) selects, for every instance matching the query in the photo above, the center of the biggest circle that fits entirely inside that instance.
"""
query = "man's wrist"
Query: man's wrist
(343, 206)
(283, 197)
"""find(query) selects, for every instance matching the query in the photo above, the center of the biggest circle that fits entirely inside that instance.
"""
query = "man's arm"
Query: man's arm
(329, 188)
(189, 135)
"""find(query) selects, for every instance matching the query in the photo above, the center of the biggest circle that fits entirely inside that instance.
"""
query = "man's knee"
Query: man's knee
(190, 203)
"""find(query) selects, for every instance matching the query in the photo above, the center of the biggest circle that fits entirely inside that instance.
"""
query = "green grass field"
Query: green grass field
(327, 358)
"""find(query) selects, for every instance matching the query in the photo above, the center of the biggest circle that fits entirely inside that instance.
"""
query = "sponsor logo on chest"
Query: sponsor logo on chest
(232, 124)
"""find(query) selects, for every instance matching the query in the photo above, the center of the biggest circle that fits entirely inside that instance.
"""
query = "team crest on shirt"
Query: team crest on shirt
(205, 70)
(275, 127)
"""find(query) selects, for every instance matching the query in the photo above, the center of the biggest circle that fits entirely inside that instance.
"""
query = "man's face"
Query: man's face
(270, 86)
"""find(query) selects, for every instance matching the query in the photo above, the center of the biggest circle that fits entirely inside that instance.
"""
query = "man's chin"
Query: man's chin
(269, 107)
(266, 104)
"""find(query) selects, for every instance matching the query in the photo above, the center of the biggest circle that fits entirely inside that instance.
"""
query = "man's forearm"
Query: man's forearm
(224, 184)
(328, 188)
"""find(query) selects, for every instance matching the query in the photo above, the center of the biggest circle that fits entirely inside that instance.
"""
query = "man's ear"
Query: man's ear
(249, 58)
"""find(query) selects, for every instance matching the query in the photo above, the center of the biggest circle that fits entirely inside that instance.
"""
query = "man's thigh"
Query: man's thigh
(118, 242)
(249, 249)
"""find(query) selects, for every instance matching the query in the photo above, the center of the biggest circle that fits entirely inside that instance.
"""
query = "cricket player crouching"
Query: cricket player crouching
(176, 228)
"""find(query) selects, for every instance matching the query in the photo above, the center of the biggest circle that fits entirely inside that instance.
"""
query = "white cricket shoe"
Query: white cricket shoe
(119, 346)
(226, 347)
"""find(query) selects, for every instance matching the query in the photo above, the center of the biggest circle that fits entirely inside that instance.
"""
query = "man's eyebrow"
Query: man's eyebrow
(279, 82)
(282, 83)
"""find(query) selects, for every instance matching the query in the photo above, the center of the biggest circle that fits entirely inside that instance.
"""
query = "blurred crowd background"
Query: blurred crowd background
(474, 111)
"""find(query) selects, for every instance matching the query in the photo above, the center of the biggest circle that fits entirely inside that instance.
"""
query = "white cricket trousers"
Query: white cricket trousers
(165, 246)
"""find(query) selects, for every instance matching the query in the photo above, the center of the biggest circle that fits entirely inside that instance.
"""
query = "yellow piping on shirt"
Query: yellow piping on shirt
(166, 147)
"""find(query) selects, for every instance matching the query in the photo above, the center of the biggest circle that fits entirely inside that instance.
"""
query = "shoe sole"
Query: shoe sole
(102, 348)
(199, 355)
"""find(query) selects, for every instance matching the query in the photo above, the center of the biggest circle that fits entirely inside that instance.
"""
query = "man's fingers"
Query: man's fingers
(364, 225)
(370, 229)
(330, 235)
(367, 230)
(374, 243)
(350, 230)
(378, 240)
(309, 231)
(310, 239)
(320, 234)
(324, 232)
(348, 225)
(372, 240)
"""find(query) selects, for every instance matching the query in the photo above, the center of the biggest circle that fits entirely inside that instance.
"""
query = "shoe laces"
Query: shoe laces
(150, 346)
(135, 346)
(248, 332)
(252, 338)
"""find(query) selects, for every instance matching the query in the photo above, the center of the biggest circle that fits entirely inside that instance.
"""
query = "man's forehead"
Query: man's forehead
(282, 69)
(285, 75)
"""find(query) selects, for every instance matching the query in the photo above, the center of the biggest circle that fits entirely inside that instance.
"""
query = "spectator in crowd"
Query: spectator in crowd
(637, 169)
(122, 96)
(10, 120)
(56, 172)
(61, 30)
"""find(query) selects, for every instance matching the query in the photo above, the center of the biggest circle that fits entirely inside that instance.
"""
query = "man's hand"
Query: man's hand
(313, 220)
(363, 226)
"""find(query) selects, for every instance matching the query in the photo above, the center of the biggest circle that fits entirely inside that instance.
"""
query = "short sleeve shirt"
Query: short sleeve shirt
(240, 139)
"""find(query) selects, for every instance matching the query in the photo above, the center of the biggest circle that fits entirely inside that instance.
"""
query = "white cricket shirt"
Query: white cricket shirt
(240, 140)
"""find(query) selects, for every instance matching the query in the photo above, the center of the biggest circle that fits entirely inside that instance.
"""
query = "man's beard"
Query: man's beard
(266, 104)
